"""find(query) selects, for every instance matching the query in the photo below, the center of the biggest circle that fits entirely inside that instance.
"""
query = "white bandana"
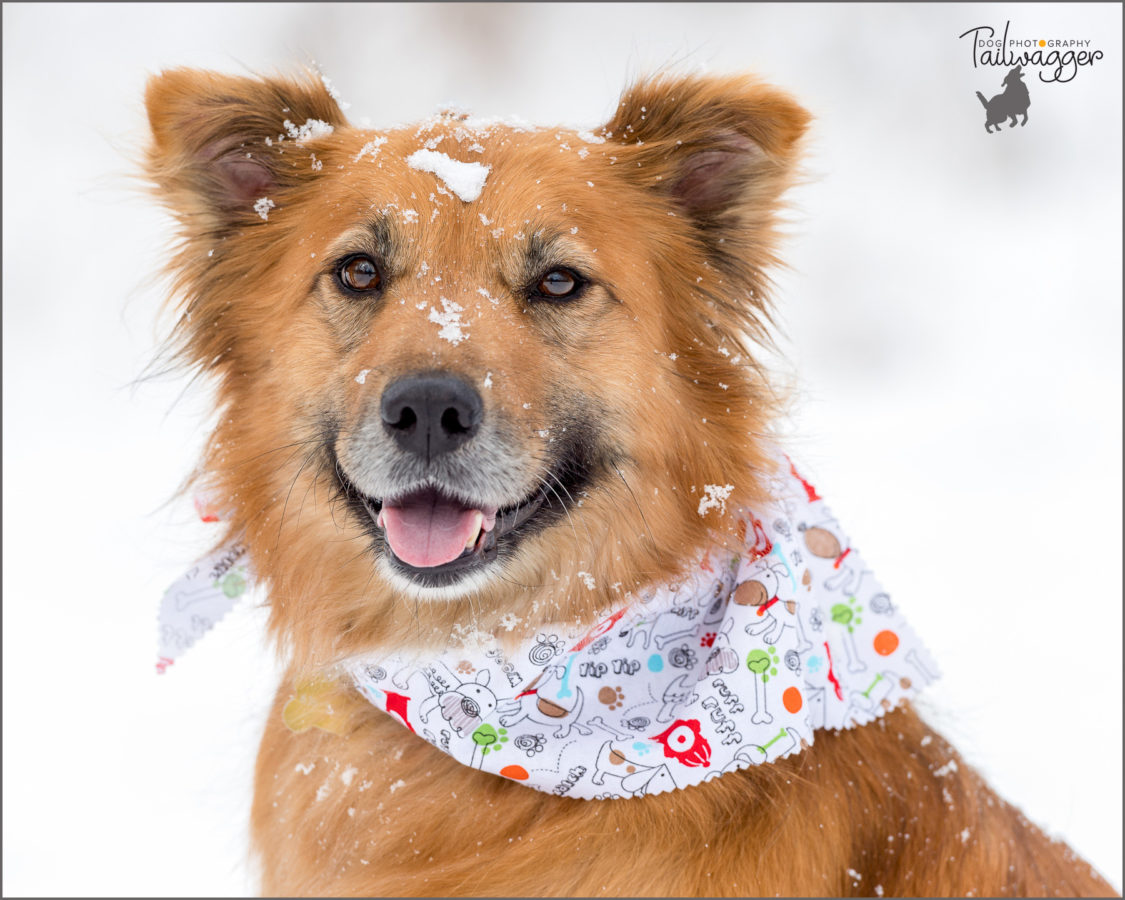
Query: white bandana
(737, 663)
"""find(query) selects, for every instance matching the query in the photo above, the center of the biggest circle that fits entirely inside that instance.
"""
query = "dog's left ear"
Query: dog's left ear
(720, 150)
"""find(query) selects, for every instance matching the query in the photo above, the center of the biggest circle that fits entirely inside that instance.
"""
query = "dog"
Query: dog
(483, 380)
(1014, 101)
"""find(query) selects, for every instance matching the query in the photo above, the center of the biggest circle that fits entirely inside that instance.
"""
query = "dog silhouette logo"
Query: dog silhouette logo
(1013, 102)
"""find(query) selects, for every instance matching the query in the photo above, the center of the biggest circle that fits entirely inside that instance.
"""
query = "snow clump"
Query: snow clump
(466, 180)
(452, 328)
(311, 130)
(715, 497)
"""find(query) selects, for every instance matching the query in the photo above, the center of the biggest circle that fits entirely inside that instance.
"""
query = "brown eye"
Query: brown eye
(558, 284)
(359, 273)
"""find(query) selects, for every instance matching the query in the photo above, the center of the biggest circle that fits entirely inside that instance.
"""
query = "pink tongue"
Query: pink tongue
(427, 529)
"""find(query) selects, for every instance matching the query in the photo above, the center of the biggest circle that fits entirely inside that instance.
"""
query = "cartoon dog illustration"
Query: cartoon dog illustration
(762, 584)
(1014, 101)
(537, 704)
(681, 615)
(636, 778)
(678, 693)
(822, 540)
(775, 615)
(463, 706)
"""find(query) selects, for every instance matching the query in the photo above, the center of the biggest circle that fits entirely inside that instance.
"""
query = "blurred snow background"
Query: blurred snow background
(953, 314)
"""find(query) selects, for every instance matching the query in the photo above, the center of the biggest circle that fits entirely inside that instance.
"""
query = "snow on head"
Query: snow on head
(332, 92)
(371, 147)
(310, 131)
(466, 180)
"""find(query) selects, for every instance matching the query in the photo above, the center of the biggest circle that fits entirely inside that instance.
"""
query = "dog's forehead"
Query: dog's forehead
(473, 167)
(471, 194)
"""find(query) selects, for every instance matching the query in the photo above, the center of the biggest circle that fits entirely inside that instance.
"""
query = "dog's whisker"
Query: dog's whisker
(292, 484)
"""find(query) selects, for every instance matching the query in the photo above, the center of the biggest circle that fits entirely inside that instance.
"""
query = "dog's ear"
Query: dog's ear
(220, 143)
(719, 150)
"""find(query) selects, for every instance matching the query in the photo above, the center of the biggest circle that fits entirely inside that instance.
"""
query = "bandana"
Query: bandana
(736, 663)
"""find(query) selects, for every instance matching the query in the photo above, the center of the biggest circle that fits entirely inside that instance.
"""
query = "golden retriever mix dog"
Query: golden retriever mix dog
(473, 377)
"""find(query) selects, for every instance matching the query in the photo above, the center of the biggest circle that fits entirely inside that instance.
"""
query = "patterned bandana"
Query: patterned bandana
(736, 663)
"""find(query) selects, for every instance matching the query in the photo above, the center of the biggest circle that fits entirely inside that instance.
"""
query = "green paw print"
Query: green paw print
(489, 739)
(232, 584)
(848, 614)
(759, 661)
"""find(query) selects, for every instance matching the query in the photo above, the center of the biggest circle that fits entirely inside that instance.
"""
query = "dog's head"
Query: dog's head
(472, 369)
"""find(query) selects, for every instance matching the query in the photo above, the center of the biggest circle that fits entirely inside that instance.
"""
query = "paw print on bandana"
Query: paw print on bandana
(642, 747)
(489, 739)
(613, 697)
(763, 663)
(465, 667)
(531, 743)
(847, 614)
(707, 640)
(547, 647)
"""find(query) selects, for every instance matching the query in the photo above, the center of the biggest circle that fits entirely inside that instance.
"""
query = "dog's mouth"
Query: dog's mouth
(434, 538)
(429, 530)
(432, 533)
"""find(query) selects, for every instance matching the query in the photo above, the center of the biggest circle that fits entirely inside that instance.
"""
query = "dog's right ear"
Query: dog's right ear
(220, 143)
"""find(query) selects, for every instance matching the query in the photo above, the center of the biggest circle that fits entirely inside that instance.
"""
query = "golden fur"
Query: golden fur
(675, 214)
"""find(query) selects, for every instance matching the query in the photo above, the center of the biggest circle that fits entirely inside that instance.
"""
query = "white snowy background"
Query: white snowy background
(953, 315)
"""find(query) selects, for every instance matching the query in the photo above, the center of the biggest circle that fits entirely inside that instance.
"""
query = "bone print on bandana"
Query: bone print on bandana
(736, 663)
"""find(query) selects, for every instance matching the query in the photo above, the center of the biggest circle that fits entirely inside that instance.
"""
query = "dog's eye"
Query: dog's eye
(359, 273)
(558, 284)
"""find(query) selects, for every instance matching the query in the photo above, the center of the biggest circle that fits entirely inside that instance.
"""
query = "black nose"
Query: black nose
(429, 415)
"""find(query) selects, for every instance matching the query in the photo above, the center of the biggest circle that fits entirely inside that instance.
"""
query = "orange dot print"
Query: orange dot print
(791, 698)
(886, 643)
(518, 773)
(1042, 43)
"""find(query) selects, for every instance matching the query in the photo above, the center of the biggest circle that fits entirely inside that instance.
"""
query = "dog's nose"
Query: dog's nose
(431, 414)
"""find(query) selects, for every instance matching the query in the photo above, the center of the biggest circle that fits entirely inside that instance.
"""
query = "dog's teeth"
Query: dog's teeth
(472, 541)
(379, 519)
